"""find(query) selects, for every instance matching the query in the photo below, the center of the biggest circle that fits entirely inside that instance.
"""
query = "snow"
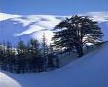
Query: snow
(4, 16)
(6, 81)
(88, 71)
(13, 27)
(98, 16)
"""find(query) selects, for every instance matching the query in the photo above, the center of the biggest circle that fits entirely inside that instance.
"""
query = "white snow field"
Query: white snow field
(89, 71)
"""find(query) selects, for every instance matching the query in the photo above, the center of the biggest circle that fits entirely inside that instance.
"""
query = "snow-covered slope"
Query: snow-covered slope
(15, 27)
(88, 71)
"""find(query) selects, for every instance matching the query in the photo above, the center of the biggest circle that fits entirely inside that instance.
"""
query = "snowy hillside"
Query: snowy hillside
(88, 71)
(15, 27)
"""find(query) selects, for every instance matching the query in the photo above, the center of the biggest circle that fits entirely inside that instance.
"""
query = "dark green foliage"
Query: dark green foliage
(25, 58)
(53, 61)
(75, 32)
(44, 53)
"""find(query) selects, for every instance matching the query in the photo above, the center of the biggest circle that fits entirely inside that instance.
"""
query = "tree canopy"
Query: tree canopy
(75, 32)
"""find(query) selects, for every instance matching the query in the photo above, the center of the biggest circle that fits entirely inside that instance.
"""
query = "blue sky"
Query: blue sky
(54, 7)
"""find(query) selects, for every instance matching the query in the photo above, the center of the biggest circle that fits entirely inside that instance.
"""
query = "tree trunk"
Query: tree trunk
(79, 49)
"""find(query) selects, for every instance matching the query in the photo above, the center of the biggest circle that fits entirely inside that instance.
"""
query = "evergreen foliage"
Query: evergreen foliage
(71, 34)
(25, 58)
(75, 32)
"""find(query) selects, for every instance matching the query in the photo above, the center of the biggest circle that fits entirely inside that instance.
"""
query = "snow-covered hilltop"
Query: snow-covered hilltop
(88, 71)
(15, 27)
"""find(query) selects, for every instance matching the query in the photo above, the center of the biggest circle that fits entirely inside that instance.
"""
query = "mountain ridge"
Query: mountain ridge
(13, 27)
